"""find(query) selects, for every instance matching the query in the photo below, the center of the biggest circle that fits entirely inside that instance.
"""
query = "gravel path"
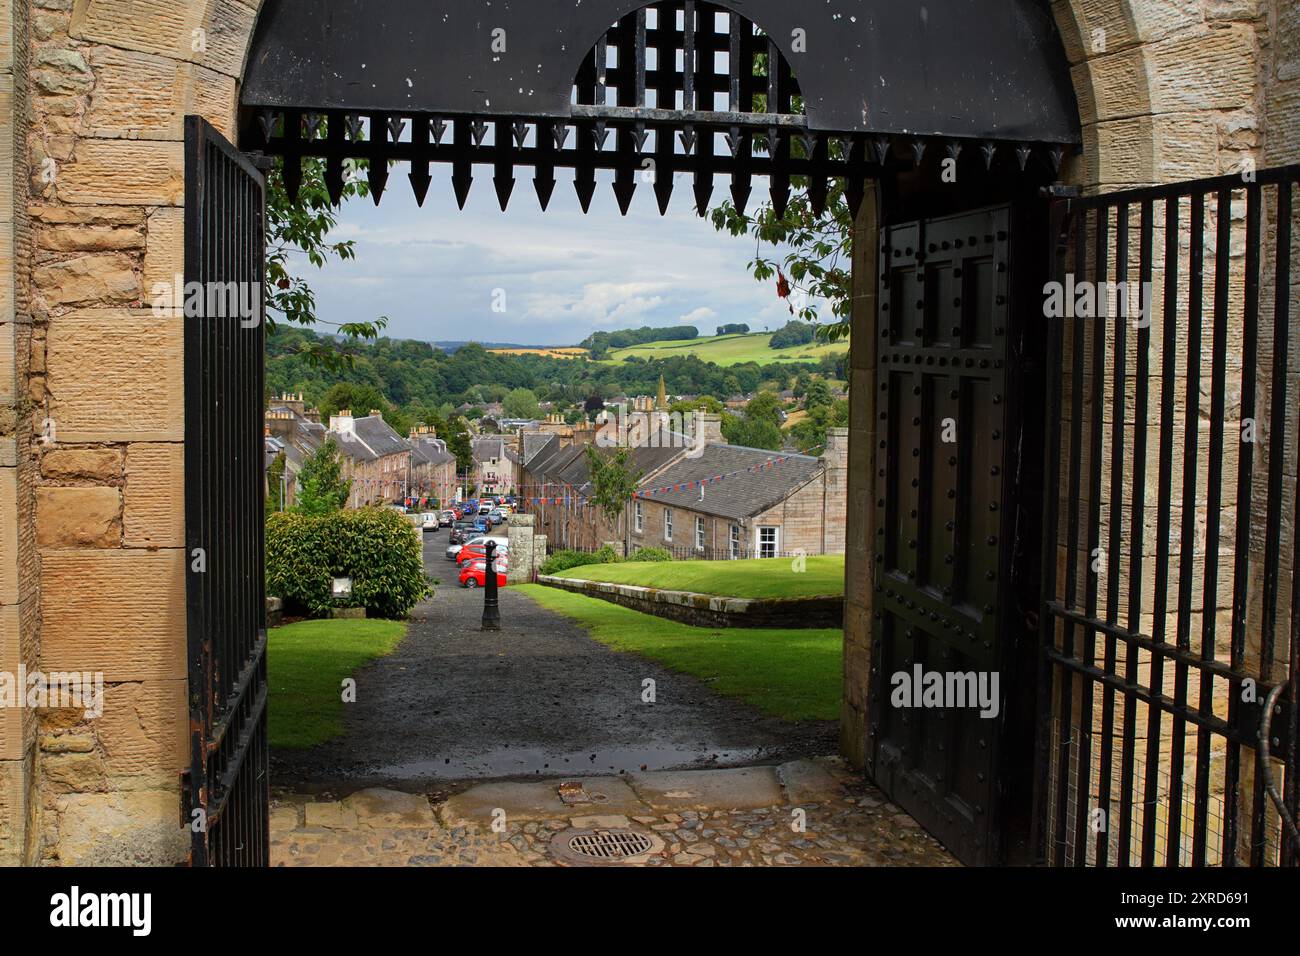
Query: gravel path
(539, 698)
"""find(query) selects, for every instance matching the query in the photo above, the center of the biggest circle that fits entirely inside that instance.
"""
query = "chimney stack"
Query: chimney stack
(710, 423)
(835, 463)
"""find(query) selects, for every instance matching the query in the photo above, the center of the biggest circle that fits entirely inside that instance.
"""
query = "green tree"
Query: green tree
(521, 403)
(759, 427)
(810, 434)
(613, 481)
(817, 393)
(321, 485)
(302, 229)
(764, 407)
(275, 491)
(458, 443)
(358, 399)
(704, 403)
(819, 248)
(750, 433)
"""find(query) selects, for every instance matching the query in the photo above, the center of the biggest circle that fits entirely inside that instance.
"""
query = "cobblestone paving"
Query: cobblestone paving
(849, 824)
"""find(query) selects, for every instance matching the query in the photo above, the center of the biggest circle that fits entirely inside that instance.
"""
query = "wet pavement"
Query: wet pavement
(803, 813)
(539, 698)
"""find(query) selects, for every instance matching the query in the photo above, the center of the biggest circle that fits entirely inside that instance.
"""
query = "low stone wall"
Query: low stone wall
(710, 610)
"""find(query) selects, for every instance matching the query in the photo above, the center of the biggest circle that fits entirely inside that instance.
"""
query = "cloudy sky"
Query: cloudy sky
(434, 271)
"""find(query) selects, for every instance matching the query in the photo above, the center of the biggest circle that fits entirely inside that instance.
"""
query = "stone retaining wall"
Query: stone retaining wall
(710, 610)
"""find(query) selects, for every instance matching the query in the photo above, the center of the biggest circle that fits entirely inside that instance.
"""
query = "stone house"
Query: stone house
(297, 437)
(433, 467)
(556, 480)
(374, 457)
(92, 448)
(797, 505)
(769, 504)
(494, 472)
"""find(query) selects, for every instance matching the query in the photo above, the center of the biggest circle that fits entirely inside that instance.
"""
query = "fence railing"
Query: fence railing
(1170, 561)
(686, 553)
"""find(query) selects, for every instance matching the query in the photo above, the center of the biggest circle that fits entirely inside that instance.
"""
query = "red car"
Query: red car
(475, 575)
(476, 552)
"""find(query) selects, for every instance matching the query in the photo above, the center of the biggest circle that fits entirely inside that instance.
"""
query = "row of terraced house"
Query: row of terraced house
(384, 467)
(697, 497)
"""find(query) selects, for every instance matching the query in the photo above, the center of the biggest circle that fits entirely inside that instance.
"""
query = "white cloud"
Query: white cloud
(434, 271)
(698, 317)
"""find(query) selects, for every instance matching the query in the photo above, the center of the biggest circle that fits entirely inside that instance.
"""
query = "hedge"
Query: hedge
(379, 549)
(563, 560)
(651, 554)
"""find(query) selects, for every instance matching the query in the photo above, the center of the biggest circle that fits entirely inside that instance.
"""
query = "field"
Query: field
(795, 675)
(567, 352)
(821, 576)
(731, 350)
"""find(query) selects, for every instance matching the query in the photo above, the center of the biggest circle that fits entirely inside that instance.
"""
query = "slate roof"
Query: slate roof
(430, 452)
(486, 449)
(302, 439)
(371, 438)
(535, 442)
(568, 466)
(738, 497)
(272, 447)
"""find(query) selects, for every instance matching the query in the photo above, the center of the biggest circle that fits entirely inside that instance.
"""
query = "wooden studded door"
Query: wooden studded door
(947, 437)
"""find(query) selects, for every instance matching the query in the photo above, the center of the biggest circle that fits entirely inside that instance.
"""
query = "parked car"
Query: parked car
(429, 521)
(477, 550)
(447, 518)
(482, 524)
(400, 509)
(474, 575)
(498, 516)
(461, 531)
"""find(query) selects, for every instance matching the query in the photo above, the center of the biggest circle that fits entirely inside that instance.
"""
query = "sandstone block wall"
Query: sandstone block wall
(94, 93)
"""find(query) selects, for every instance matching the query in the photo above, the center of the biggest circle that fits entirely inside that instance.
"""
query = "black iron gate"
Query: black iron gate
(227, 787)
(1169, 520)
(951, 373)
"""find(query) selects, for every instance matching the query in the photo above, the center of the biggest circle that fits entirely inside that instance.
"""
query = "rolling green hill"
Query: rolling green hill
(730, 350)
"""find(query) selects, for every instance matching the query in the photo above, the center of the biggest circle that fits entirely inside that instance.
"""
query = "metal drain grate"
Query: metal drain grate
(618, 845)
(610, 844)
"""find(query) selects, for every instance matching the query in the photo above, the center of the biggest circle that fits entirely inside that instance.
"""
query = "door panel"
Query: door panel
(941, 459)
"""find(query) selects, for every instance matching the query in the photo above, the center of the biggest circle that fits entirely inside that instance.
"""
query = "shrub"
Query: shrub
(564, 560)
(651, 554)
(377, 548)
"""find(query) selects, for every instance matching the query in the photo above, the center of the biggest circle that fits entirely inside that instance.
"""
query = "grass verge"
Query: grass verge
(307, 663)
(823, 576)
(792, 674)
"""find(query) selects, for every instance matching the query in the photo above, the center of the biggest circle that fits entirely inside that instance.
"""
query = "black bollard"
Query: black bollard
(491, 608)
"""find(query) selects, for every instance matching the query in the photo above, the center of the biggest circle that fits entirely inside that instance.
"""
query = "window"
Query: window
(735, 542)
(769, 542)
(639, 516)
(668, 524)
(699, 534)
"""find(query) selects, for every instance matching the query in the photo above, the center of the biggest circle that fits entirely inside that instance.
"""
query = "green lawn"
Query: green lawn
(730, 350)
(307, 663)
(759, 578)
(794, 675)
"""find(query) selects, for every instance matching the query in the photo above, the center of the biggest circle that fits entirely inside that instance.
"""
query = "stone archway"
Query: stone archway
(96, 91)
